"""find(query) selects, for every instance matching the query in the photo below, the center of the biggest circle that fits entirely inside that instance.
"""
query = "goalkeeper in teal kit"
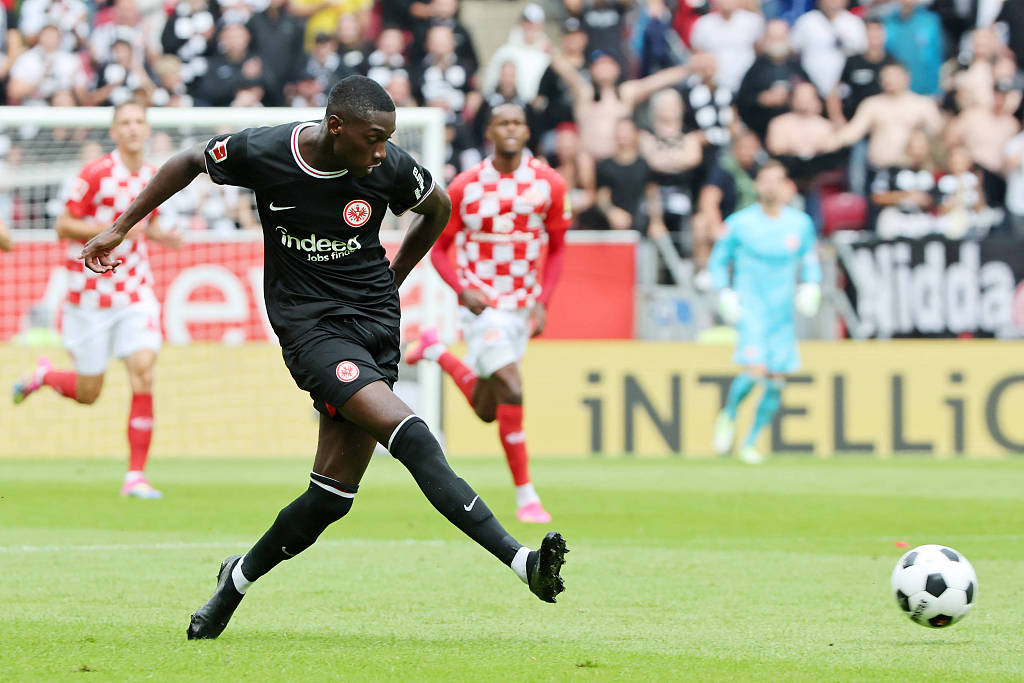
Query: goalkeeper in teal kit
(755, 267)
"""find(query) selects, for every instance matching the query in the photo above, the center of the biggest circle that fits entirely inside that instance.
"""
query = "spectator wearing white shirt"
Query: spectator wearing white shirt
(529, 48)
(71, 17)
(730, 34)
(825, 37)
(44, 70)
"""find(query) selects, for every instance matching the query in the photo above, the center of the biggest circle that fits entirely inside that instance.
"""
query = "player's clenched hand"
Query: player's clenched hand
(97, 251)
(539, 316)
(474, 300)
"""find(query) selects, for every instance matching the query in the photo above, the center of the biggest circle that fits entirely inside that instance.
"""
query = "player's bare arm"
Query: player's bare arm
(70, 228)
(434, 212)
(176, 173)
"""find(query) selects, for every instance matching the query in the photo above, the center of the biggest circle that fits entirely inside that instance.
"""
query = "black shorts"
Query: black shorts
(340, 356)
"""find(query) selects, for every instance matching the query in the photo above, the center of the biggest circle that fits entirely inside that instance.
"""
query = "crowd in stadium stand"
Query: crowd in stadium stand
(904, 117)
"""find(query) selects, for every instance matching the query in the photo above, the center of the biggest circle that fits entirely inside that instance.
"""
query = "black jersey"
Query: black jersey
(323, 255)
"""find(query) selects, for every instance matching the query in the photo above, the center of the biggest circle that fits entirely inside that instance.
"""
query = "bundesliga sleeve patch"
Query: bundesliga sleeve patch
(219, 152)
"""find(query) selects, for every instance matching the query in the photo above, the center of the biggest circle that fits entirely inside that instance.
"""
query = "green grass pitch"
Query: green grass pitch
(680, 570)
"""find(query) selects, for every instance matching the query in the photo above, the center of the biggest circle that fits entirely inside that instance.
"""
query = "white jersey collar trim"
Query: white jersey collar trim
(301, 163)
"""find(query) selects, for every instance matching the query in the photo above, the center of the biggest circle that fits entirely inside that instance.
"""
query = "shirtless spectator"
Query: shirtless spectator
(730, 34)
(672, 157)
(623, 180)
(825, 38)
(768, 85)
(971, 77)
(903, 195)
(729, 188)
(802, 132)
(600, 102)
(888, 120)
(985, 128)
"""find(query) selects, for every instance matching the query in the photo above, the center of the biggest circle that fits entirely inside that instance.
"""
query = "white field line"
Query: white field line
(134, 547)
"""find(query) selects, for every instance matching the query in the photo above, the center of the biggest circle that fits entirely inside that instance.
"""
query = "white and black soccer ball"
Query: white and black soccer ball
(934, 585)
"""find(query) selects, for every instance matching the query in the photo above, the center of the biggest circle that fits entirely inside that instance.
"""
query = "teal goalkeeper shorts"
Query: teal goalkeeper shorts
(772, 346)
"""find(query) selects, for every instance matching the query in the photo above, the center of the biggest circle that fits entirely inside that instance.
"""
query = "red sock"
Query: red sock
(140, 430)
(513, 440)
(465, 379)
(62, 381)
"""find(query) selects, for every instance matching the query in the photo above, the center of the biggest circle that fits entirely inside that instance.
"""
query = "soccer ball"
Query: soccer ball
(934, 585)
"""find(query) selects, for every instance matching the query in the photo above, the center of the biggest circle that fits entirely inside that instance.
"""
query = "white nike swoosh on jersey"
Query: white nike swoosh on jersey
(469, 507)
(288, 553)
(279, 208)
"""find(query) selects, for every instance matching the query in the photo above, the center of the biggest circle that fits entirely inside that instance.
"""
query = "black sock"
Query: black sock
(414, 446)
(299, 524)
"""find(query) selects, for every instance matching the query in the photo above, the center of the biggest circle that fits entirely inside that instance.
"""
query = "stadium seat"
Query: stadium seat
(843, 211)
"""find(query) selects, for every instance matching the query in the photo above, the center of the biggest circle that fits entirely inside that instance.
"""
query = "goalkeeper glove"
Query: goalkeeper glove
(808, 298)
(729, 306)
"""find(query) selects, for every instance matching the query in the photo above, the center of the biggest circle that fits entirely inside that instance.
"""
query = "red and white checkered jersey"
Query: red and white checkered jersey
(102, 191)
(501, 222)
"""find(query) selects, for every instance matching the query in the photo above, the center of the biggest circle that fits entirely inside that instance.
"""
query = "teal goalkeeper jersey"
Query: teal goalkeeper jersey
(761, 258)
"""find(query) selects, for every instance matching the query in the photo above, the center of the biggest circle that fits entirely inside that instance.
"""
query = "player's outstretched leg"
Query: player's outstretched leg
(62, 381)
(725, 423)
(296, 528)
(429, 347)
(771, 399)
(414, 446)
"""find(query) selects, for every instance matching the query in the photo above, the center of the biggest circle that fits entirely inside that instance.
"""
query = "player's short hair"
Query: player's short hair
(489, 115)
(127, 103)
(357, 97)
(772, 163)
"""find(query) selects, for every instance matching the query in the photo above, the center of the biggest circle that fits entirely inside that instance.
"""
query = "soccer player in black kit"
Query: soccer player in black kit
(322, 189)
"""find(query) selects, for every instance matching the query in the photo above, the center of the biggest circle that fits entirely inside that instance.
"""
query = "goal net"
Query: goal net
(221, 387)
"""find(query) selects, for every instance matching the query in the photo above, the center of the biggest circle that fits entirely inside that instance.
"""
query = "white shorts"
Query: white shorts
(495, 338)
(92, 336)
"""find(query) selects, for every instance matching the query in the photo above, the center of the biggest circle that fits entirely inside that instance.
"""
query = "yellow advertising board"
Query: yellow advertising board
(583, 398)
(936, 398)
(209, 400)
